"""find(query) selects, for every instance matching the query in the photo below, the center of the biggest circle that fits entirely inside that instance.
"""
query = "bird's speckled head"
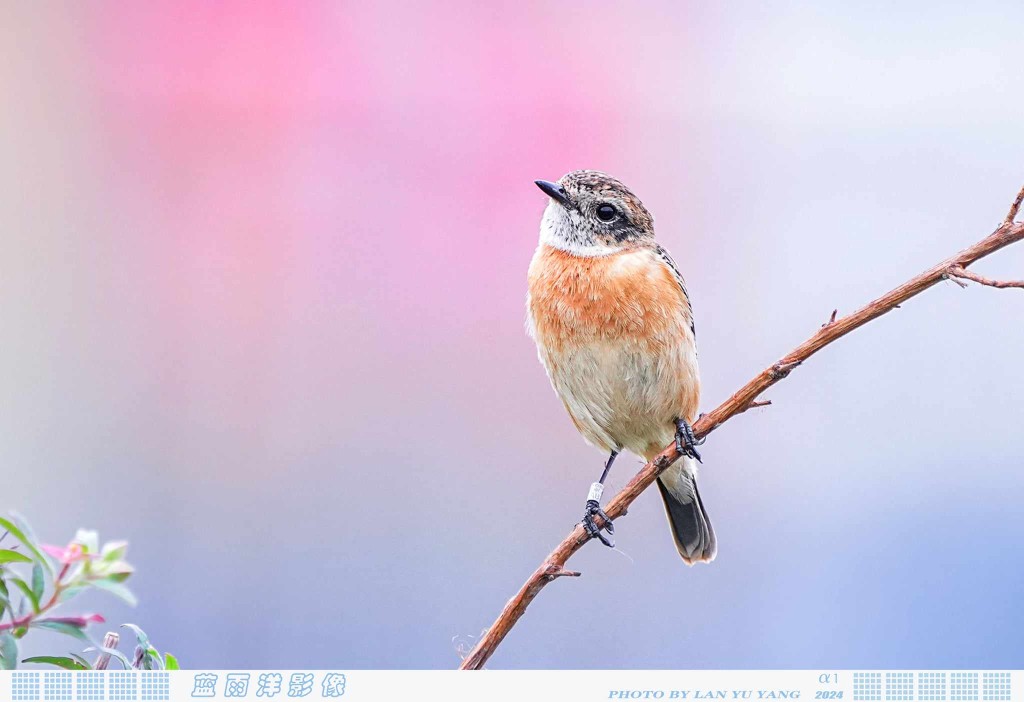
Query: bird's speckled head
(591, 213)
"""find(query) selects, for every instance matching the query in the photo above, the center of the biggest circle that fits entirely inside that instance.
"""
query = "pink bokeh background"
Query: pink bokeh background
(262, 291)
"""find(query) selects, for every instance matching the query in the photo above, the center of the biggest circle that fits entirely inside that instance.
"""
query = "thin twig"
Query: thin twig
(1006, 234)
(55, 598)
(961, 272)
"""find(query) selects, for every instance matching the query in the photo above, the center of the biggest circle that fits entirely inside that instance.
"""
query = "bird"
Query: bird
(612, 321)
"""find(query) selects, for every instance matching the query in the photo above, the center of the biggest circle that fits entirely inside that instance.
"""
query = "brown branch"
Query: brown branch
(1014, 208)
(961, 272)
(1007, 233)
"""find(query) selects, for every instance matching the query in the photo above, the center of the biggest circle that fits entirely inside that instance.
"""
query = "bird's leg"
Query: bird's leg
(686, 442)
(594, 507)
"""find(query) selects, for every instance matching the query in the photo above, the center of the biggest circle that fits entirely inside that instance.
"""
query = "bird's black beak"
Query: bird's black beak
(553, 190)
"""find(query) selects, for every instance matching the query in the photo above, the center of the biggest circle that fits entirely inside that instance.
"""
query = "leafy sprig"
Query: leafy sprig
(36, 579)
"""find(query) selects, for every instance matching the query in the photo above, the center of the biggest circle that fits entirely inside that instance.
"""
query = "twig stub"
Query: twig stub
(555, 570)
(783, 368)
(1014, 208)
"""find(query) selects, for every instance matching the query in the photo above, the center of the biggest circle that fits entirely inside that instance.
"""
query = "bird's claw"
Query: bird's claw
(590, 526)
(686, 442)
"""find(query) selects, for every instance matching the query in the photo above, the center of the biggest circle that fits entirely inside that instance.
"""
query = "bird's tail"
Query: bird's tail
(691, 528)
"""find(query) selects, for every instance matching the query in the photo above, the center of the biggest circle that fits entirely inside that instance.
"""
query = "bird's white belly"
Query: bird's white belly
(622, 394)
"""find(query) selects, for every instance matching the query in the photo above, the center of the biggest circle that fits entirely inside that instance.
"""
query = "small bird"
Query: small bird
(614, 328)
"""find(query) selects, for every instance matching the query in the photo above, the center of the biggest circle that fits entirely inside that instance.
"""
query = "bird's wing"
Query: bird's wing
(662, 254)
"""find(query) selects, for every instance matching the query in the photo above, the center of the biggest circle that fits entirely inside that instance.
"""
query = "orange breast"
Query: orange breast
(575, 300)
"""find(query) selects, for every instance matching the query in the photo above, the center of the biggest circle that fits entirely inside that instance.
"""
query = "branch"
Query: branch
(1014, 208)
(58, 588)
(957, 272)
(1007, 233)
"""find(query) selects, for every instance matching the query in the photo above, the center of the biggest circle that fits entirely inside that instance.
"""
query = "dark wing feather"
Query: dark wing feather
(660, 251)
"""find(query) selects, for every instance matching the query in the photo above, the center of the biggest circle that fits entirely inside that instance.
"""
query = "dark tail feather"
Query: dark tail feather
(691, 528)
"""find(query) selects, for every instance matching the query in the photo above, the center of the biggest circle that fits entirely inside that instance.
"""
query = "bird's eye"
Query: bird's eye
(606, 213)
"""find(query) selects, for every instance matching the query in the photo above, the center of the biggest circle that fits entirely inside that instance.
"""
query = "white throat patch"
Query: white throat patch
(559, 230)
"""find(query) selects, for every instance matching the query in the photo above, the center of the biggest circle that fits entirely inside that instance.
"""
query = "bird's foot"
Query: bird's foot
(593, 509)
(686, 442)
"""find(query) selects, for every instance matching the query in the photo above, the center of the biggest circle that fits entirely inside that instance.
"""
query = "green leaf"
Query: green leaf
(119, 571)
(29, 543)
(86, 665)
(38, 585)
(122, 659)
(114, 551)
(69, 592)
(22, 524)
(172, 662)
(59, 661)
(154, 661)
(140, 635)
(62, 628)
(8, 556)
(116, 589)
(28, 592)
(8, 652)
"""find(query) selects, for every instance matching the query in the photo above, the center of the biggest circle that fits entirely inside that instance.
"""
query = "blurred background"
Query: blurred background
(262, 279)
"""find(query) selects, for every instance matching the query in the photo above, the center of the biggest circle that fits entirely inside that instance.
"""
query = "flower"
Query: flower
(66, 555)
